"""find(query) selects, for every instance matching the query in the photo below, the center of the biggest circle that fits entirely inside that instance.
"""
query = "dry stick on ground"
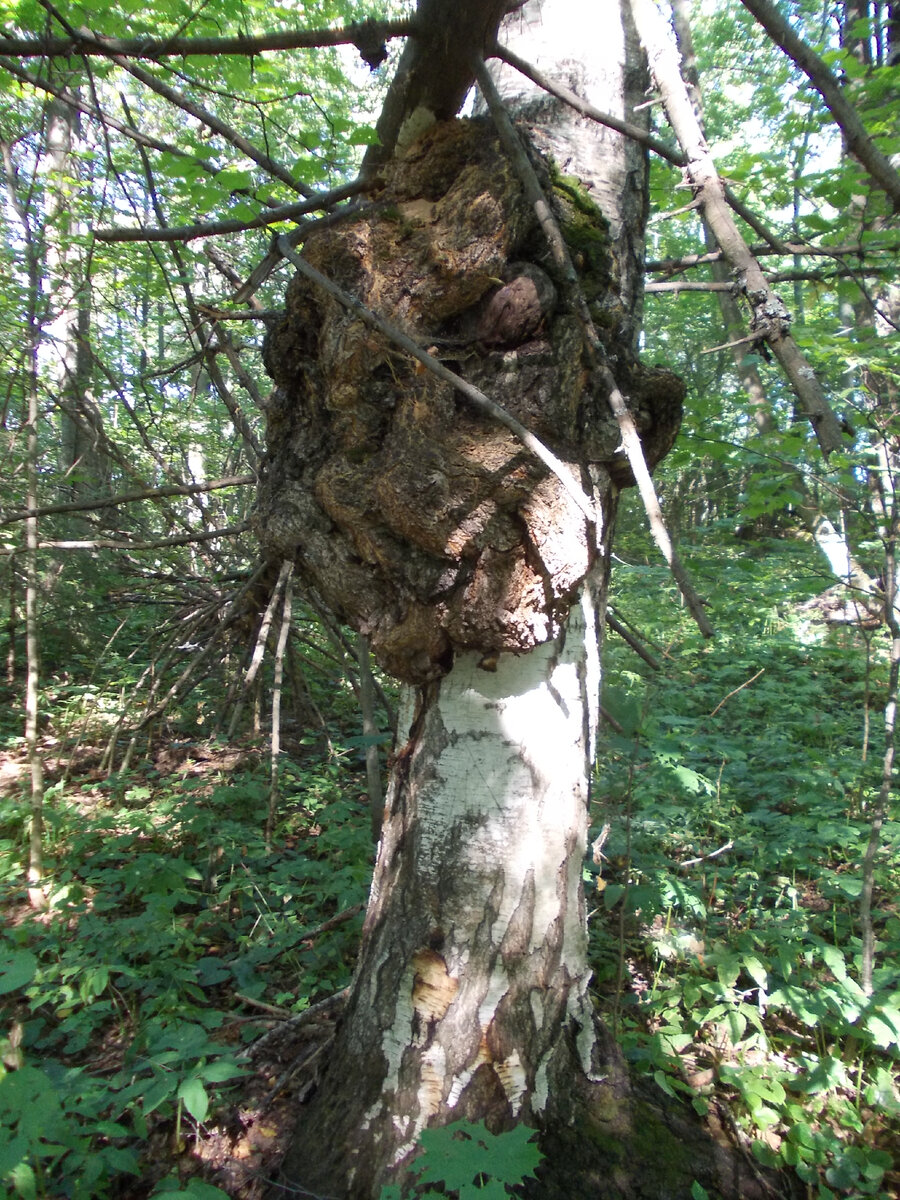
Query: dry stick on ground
(856, 139)
(562, 471)
(630, 438)
(628, 637)
(770, 319)
(275, 771)
(315, 1011)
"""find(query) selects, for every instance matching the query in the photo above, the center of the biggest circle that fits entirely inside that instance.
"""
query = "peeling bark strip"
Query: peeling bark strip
(420, 522)
(473, 976)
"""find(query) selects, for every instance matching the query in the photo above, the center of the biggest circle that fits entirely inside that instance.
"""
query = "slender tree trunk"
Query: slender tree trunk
(82, 462)
(32, 641)
(275, 744)
(35, 870)
(370, 734)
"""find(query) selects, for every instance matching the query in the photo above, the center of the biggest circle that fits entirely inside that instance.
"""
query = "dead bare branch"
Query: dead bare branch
(83, 41)
(770, 320)
(271, 216)
(187, 489)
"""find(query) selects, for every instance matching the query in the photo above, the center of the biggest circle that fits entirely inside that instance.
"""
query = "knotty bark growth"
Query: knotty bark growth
(419, 522)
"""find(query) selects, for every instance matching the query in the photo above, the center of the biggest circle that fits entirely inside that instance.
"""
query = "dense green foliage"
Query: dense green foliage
(738, 781)
(726, 924)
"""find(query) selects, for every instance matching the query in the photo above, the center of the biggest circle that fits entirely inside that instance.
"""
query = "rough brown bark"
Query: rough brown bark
(417, 520)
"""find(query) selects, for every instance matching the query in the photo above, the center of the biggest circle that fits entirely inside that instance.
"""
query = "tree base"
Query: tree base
(617, 1139)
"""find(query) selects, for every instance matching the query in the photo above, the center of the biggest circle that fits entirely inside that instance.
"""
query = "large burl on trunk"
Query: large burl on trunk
(416, 519)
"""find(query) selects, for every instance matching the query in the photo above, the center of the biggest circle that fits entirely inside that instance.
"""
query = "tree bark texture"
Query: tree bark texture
(593, 51)
(417, 520)
(471, 990)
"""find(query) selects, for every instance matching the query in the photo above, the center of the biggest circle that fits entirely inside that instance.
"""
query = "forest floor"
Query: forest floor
(160, 1015)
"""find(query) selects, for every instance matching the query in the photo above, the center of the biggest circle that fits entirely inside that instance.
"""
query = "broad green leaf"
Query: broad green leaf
(194, 1096)
(24, 1181)
(755, 969)
(834, 960)
(882, 1033)
(16, 970)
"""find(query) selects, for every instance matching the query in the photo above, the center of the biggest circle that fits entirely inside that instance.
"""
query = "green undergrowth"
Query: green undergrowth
(724, 904)
(725, 929)
(124, 1016)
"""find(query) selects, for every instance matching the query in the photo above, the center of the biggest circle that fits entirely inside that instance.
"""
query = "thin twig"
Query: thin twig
(83, 41)
(692, 862)
(313, 1013)
(155, 544)
(735, 691)
(284, 1014)
(187, 489)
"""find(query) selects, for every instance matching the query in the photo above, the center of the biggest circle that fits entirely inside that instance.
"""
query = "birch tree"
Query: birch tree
(422, 516)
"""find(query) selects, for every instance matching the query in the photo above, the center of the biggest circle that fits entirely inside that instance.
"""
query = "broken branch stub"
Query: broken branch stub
(418, 520)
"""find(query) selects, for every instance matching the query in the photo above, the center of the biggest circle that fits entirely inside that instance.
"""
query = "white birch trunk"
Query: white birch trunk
(471, 988)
